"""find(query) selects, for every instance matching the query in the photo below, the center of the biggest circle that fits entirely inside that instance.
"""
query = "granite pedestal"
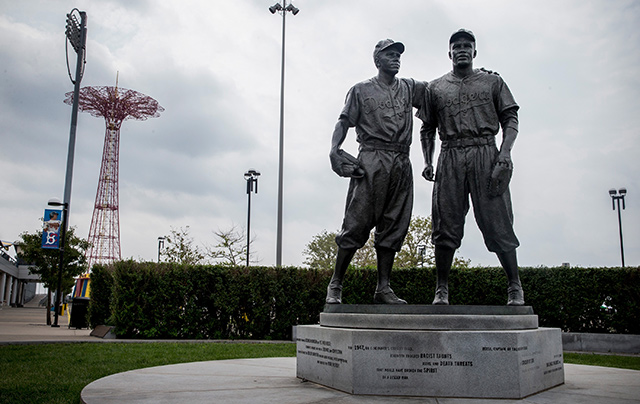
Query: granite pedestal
(431, 351)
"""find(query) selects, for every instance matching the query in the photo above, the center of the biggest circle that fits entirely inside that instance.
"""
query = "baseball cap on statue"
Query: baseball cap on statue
(462, 32)
(386, 44)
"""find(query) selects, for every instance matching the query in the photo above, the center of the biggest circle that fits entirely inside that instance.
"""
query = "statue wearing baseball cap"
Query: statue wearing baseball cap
(468, 107)
(380, 192)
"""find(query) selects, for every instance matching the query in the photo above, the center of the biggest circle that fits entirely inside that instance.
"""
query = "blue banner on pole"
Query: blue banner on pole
(51, 229)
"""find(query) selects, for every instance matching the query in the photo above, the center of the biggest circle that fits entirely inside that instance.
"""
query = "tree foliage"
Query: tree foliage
(320, 252)
(231, 248)
(417, 249)
(366, 256)
(46, 261)
(180, 248)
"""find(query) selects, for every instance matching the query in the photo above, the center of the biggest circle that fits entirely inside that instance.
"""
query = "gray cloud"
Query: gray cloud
(571, 66)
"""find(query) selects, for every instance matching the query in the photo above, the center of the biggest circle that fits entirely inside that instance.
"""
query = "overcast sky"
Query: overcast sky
(215, 68)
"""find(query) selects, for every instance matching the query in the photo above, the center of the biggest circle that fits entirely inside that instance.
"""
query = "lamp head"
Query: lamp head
(294, 10)
(55, 202)
(251, 174)
(275, 7)
(612, 192)
(622, 191)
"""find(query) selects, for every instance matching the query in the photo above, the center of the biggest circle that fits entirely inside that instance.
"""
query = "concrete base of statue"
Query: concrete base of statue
(430, 351)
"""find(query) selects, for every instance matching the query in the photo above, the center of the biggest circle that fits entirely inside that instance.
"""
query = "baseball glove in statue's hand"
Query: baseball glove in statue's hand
(345, 165)
(500, 178)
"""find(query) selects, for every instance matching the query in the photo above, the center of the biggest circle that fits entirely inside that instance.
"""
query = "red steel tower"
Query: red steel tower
(114, 105)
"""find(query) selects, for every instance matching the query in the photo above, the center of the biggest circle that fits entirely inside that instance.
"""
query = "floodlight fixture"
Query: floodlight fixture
(294, 10)
(73, 30)
(275, 7)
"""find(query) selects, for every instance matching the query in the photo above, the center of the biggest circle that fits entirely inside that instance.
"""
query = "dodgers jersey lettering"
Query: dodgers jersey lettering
(469, 107)
(380, 112)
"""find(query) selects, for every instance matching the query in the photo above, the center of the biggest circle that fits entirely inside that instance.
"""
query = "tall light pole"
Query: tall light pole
(282, 8)
(617, 196)
(251, 177)
(76, 33)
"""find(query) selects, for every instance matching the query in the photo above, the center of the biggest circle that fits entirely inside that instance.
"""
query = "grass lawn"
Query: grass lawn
(610, 361)
(57, 373)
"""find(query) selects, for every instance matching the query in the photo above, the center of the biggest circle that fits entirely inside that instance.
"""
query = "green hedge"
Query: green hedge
(99, 311)
(165, 301)
(148, 300)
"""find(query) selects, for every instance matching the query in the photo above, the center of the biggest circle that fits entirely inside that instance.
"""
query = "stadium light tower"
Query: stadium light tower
(282, 8)
(76, 35)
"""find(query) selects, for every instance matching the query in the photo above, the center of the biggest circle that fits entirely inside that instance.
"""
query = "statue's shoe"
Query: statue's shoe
(442, 296)
(516, 295)
(387, 297)
(334, 295)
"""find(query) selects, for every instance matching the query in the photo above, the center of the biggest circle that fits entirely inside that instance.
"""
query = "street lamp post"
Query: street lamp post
(422, 249)
(160, 246)
(282, 8)
(251, 177)
(63, 233)
(617, 196)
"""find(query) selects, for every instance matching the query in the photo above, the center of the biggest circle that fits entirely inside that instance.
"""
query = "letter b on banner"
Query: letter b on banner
(51, 229)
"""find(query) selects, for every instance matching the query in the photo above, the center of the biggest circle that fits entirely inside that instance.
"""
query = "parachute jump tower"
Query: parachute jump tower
(114, 105)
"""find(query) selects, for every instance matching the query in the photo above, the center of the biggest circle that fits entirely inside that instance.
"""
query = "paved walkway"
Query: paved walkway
(272, 380)
(25, 325)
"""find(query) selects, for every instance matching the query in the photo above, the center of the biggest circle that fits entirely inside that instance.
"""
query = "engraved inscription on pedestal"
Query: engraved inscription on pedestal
(504, 364)
(321, 350)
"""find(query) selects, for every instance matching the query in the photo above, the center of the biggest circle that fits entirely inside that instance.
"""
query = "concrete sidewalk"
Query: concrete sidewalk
(24, 325)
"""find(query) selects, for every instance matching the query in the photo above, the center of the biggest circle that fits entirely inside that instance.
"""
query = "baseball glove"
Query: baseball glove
(345, 165)
(500, 178)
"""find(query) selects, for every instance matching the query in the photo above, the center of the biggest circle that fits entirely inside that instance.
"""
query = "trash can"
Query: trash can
(78, 315)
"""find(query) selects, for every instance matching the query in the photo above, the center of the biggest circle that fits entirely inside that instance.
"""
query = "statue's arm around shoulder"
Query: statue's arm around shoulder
(427, 113)
(482, 69)
(419, 91)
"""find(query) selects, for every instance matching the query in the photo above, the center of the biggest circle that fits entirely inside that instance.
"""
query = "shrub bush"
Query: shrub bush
(170, 301)
(100, 296)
